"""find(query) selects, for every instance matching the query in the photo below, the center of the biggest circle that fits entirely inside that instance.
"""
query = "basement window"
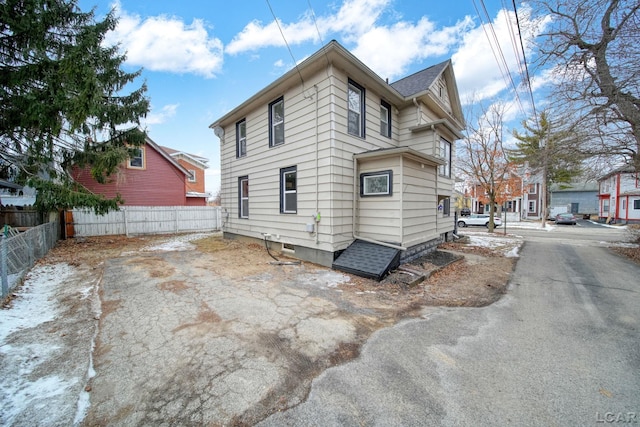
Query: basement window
(288, 247)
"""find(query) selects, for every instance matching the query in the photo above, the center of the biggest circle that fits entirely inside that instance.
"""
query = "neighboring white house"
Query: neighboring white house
(331, 153)
(619, 196)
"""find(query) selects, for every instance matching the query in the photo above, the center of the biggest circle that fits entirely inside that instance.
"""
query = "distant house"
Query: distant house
(151, 178)
(619, 196)
(331, 159)
(509, 200)
(580, 198)
(196, 166)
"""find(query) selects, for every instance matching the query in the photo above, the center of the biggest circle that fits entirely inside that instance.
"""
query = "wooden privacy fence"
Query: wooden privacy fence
(137, 220)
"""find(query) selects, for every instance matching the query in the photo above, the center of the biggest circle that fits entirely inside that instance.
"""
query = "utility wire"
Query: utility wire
(497, 50)
(526, 67)
(286, 43)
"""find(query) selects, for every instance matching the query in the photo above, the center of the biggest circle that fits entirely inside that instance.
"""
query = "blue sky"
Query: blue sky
(201, 59)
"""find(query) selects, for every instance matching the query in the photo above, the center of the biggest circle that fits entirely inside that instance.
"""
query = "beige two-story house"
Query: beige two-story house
(331, 156)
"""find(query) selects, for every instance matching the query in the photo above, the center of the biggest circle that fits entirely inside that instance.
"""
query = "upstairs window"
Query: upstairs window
(136, 158)
(192, 175)
(241, 138)
(276, 122)
(355, 103)
(288, 190)
(385, 119)
(445, 153)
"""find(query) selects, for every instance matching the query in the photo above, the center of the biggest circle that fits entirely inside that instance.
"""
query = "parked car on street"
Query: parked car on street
(566, 218)
(478, 219)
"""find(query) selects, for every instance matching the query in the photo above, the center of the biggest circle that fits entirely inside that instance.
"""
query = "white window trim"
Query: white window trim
(364, 177)
(241, 140)
(242, 197)
(531, 207)
(359, 90)
(273, 124)
(192, 175)
(283, 177)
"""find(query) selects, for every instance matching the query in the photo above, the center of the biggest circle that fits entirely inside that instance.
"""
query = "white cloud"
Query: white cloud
(354, 17)
(158, 117)
(356, 22)
(163, 43)
(476, 62)
(380, 50)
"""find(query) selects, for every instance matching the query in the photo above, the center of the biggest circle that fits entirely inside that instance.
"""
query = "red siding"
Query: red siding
(159, 184)
(196, 201)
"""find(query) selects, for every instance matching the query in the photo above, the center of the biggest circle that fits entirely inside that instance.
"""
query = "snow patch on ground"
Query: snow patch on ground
(177, 243)
(33, 304)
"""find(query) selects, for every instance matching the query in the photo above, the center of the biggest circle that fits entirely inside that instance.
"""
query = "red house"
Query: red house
(151, 178)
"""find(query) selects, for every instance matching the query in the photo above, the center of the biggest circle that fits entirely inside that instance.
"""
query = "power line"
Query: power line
(526, 67)
(497, 51)
(286, 43)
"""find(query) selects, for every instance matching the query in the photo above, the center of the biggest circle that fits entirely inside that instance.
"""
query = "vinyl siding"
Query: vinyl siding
(333, 182)
(379, 217)
(262, 165)
(419, 203)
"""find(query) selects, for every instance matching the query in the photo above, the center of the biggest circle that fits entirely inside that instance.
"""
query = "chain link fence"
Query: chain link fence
(19, 252)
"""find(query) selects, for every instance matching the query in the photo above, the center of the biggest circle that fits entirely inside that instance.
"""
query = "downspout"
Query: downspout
(418, 112)
(353, 211)
(616, 216)
(317, 215)
(401, 199)
(437, 177)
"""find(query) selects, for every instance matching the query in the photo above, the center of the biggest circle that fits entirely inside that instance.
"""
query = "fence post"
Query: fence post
(3, 265)
(126, 228)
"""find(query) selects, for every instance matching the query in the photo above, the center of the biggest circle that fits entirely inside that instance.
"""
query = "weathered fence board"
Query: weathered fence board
(137, 220)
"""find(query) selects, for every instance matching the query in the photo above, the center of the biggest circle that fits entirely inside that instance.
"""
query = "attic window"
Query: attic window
(136, 158)
(192, 175)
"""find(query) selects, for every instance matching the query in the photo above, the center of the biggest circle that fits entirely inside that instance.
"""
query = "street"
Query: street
(561, 348)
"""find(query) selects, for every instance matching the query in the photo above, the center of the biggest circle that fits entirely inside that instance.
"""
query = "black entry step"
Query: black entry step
(368, 260)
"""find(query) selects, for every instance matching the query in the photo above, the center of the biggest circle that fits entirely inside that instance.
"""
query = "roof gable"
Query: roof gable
(420, 81)
(195, 160)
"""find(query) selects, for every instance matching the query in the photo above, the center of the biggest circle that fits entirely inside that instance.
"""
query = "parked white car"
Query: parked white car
(478, 219)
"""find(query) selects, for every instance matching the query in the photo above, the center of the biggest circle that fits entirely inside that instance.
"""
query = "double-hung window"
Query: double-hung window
(385, 119)
(241, 138)
(445, 153)
(243, 197)
(636, 204)
(355, 104)
(276, 122)
(136, 158)
(288, 190)
(192, 175)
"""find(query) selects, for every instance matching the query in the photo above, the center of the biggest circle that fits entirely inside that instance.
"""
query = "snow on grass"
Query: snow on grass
(33, 304)
(508, 244)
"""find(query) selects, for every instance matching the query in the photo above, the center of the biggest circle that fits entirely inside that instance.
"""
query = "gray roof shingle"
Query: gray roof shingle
(420, 81)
